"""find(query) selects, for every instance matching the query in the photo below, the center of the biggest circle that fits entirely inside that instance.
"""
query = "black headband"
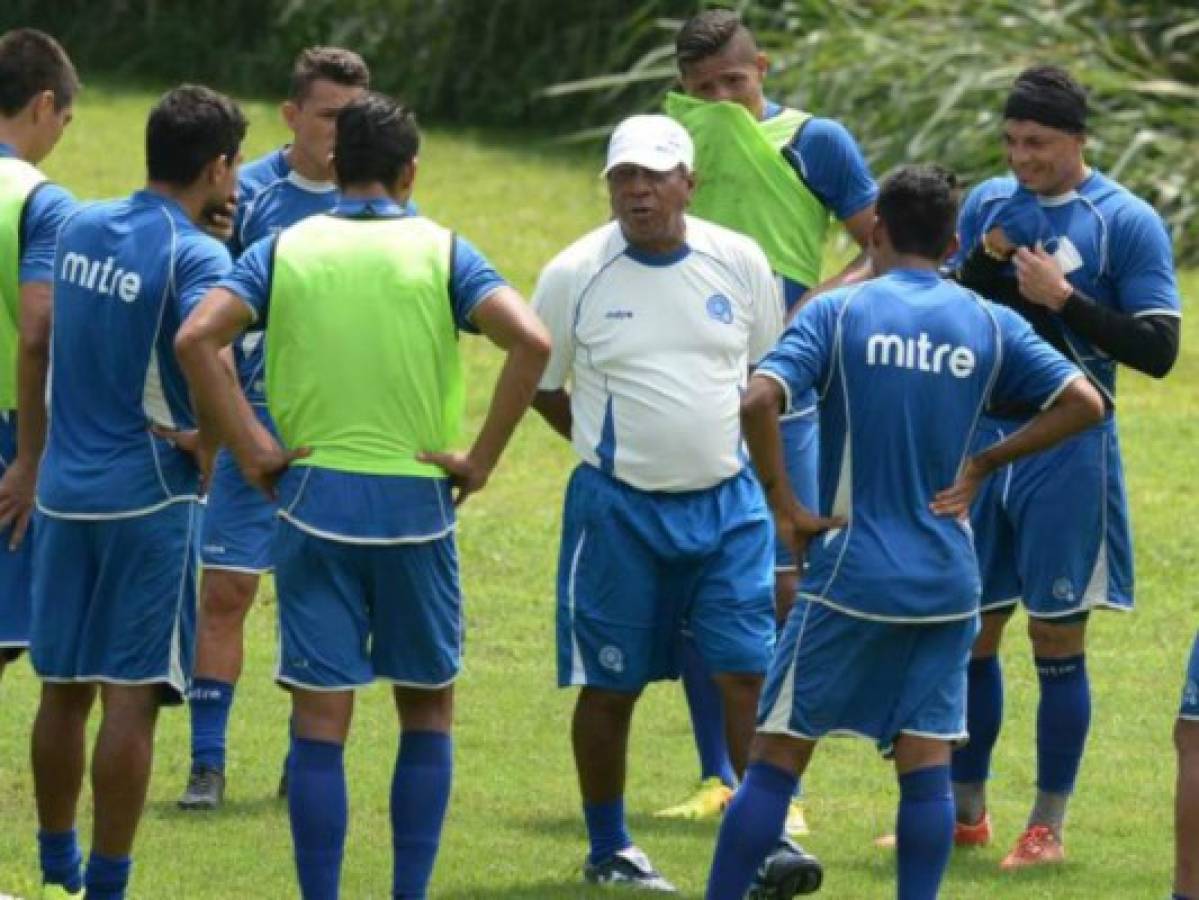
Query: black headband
(1049, 105)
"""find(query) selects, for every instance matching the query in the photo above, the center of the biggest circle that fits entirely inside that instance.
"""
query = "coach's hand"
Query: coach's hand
(1040, 279)
(17, 490)
(954, 502)
(466, 475)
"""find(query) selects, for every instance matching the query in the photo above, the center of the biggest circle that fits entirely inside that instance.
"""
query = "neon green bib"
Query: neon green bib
(743, 182)
(17, 181)
(362, 360)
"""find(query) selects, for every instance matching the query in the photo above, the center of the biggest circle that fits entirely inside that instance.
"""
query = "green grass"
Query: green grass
(514, 828)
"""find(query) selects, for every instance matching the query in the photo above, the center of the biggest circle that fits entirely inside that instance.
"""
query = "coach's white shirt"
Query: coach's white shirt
(657, 352)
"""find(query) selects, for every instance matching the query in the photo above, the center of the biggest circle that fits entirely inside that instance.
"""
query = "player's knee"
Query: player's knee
(322, 715)
(990, 634)
(226, 597)
(425, 710)
(1055, 639)
(913, 752)
(67, 700)
(610, 705)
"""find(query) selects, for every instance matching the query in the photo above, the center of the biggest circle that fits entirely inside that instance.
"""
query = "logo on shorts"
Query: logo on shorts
(1190, 694)
(612, 659)
(1063, 589)
(720, 309)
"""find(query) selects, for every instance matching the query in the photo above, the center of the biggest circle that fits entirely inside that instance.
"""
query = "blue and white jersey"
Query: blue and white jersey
(657, 350)
(829, 162)
(904, 365)
(1112, 246)
(271, 196)
(349, 507)
(126, 274)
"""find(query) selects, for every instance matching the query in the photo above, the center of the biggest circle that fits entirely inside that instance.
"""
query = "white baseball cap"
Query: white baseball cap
(658, 143)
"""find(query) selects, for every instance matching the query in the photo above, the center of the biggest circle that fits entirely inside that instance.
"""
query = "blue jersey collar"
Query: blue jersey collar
(7, 150)
(371, 208)
(171, 205)
(919, 275)
(657, 259)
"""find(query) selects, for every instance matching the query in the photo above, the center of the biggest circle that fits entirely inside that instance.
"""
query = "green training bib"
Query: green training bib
(17, 181)
(744, 182)
(362, 361)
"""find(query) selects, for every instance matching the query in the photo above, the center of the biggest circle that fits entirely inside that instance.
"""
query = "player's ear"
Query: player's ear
(41, 105)
(290, 110)
(762, 64)
(408, 175)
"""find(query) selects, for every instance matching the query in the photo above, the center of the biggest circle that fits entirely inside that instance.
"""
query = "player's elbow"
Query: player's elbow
(1086, 401)
(190, 345)
(761, 398)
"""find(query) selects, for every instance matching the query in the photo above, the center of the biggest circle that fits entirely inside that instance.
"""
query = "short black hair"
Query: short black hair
(1048, 95)
(31, 62)
(918, 204)
(707, 34)
(189, 127)
(336, 64)
(376, 138)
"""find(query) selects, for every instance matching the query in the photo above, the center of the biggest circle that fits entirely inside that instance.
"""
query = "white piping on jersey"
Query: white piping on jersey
(124, 514)
(365, 541)
(902, 620)
(997, 363)
(781, 382)
(300, 490)
(154, 403)
(304, 184)
(1066, 382)
(1172, 313)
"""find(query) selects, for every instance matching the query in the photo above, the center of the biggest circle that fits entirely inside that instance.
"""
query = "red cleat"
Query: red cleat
(1038, 846)
(976, 835)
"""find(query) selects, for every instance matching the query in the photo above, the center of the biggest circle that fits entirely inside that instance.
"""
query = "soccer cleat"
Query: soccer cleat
(628, 868)
(797, 821)
(205, 789)
(977, 835)
(787, 872)
(58, 892)
(1038, 846)
(706, 803)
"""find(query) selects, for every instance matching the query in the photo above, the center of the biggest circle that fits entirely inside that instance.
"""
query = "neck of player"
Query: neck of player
(193, 198)
(307, 166)
(376, 190)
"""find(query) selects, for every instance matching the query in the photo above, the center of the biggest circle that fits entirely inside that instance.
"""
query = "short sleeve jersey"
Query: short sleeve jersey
(126, 275)
(354, 508)
(656, 350)
(1112, 246)
(904, 365)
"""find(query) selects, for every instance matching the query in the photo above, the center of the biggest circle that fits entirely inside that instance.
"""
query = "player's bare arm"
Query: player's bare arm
(508, 322)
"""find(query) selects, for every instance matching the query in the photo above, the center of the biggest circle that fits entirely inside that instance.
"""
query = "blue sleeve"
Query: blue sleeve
(1031, 372)
(472, 278)
(250, 278)
(832, 166)
(969, 228)
(202, 262)
(1142, 263)
(45, 212)
(800, 360)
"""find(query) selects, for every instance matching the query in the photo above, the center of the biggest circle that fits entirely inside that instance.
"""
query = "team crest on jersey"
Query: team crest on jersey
(720, 308)
(611, 658)
(1190, 694)
(1063, 589)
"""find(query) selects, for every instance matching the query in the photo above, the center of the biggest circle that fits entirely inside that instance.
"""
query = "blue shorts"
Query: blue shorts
(839, 674)
(801, 454)
(114, 600)
(1052, 529)
(239, 522)
(16, 567)
(1190, 691)
(351, 613)
(637, 567)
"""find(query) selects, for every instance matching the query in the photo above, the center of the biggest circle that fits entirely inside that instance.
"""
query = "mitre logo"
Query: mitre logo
(920, 354)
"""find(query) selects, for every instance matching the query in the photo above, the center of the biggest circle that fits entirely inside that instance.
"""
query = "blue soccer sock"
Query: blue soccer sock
(707, 716)
(1063, 720)
(317, 803)
(209, 702)
(62, 862)
(606, 829)
(420, 794)
(750, 830)
(923, 832)
(984, 716)
(1179, 897)
(107, 877)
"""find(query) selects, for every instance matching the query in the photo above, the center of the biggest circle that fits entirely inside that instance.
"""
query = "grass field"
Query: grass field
(514, 828)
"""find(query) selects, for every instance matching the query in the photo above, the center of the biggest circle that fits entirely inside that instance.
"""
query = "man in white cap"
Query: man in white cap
(656, 318)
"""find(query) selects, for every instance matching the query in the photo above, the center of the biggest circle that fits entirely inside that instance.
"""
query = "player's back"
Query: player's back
(113, 369)
(914, 358)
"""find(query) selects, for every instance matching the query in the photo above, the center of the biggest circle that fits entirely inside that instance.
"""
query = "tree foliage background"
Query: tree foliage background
(913, 79)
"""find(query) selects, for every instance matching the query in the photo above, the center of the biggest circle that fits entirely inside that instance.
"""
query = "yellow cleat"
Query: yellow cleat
(58, 892)
(706, 803)
(797, 821)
